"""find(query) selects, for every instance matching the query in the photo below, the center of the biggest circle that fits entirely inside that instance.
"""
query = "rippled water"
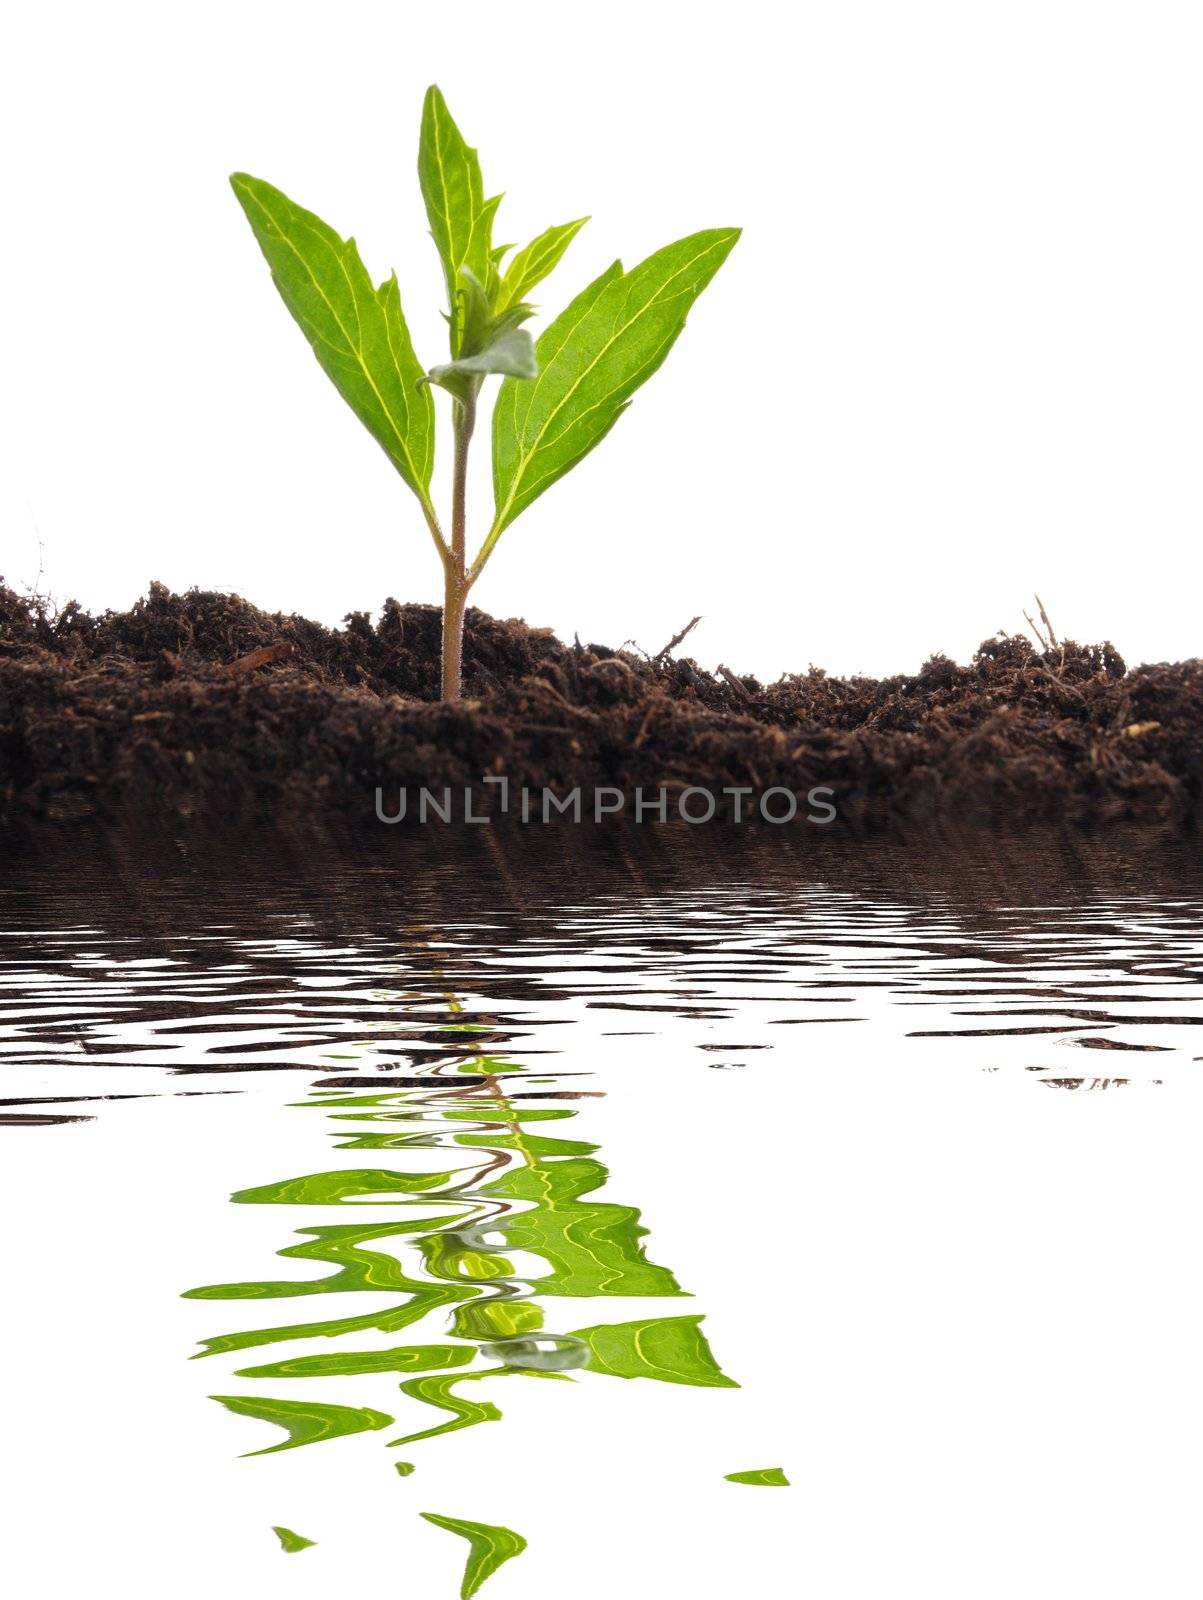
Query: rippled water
(676, 1168)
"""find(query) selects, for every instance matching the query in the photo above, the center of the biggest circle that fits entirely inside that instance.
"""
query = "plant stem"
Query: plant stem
(457, 582)
(454, 604)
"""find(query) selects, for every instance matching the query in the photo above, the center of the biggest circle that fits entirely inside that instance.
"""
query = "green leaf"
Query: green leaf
(481, 325)
(510, 353)
(761, 1478)
(592, 358)
(292, 1542)
(671, 1349)
(532, 264)
(349, 1363)
(358, 332)
(488, 342)
(461, 219)
(490, 1546)
(305, 1421)
(403, 1468)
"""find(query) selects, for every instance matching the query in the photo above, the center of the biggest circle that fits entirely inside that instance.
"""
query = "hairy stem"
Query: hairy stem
(455, 599)
(457, 580)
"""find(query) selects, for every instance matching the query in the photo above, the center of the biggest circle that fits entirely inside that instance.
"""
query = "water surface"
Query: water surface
(589, 1196)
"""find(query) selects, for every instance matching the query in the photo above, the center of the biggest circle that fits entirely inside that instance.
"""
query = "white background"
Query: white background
(995, 1397)
(956, 357)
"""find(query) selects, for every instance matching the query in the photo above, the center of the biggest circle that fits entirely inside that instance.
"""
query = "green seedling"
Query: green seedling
(558, 398)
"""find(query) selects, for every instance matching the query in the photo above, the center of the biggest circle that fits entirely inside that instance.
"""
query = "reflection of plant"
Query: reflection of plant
(528, 1191)
(525, 1190)
(556, 401)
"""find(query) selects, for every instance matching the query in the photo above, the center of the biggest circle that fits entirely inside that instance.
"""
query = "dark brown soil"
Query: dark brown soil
(201, 706)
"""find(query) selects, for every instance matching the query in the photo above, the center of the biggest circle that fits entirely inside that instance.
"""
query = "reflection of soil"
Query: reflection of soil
(36, 1119)
(1086, 1083)
(1116, 1044)
(202, 706)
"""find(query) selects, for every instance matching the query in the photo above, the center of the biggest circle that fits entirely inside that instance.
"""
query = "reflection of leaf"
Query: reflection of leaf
(391, 1321)
(437, 1391)
(502, 1117)
(337, 1244)
(383, 1141)
(349, 1363)
(592, 1247)
(496, 1319)
(331, 1188)
(305, 1421)
(552, 1352)
(490, 1546)
(454, 1256)
(531, 1144)
(672, 1349)
(761, 1477)
(292, 1542)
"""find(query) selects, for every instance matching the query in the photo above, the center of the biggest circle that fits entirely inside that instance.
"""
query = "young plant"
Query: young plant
(557, 399)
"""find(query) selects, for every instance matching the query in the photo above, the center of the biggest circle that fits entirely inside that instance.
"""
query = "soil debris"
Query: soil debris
(199, 705)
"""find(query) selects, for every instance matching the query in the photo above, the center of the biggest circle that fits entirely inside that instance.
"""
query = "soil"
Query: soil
(200, 706)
